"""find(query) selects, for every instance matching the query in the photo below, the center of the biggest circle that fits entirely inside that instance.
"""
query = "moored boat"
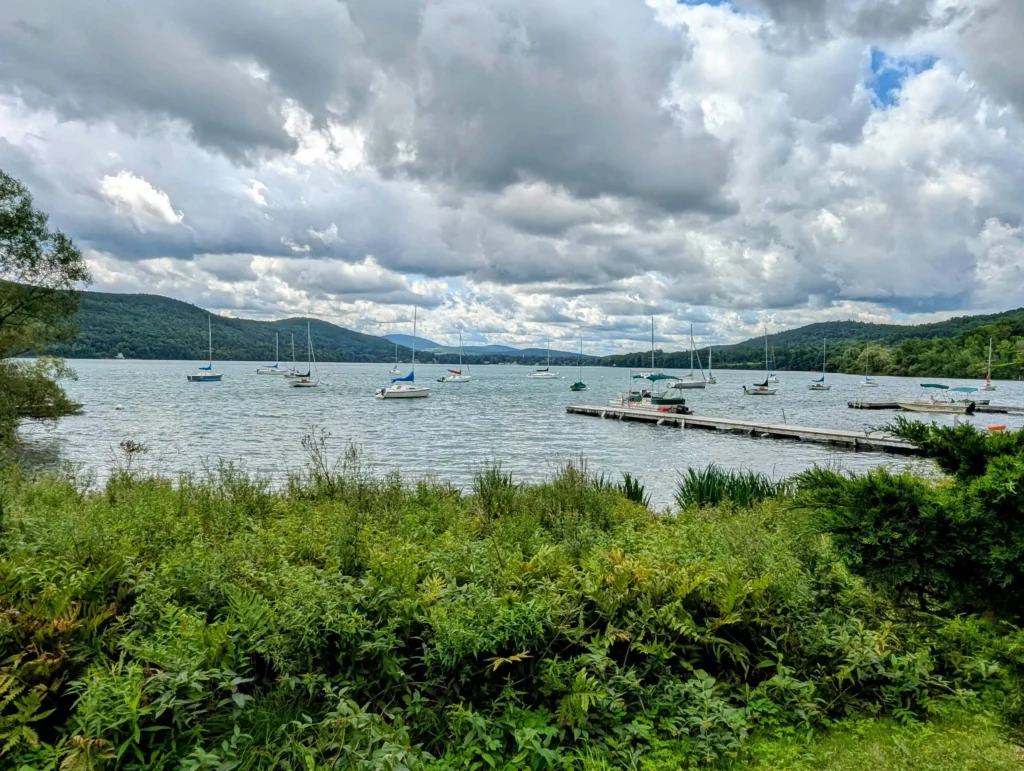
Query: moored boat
(206, 374)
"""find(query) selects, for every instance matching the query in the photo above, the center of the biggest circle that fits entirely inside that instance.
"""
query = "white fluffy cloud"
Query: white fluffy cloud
(522, 168)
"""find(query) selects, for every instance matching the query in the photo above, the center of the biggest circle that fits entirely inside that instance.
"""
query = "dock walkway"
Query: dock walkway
(857, 440)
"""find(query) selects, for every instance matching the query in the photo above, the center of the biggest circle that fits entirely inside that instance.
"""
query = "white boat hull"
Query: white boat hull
(454, 378)
(869, 385)
(542, 375)
(402, 391)
(945, 408)
(269, 371)
(712, 380)
(687, 384)
(758, 391)
(305, 384)
(773, 379)
(819, 387)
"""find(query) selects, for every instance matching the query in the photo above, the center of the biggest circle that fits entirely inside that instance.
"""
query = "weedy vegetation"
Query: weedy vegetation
(353, 622)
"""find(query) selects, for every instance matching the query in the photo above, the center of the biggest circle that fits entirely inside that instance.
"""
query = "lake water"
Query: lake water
(501, 415)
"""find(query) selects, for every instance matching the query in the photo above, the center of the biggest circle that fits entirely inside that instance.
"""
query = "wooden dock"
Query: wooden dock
(877, 441)
(990, 409)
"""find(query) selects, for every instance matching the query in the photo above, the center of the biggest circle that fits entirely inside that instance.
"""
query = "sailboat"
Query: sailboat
(545, 373)
(394, 369)
(772, 377)
(291, 371)
(455, 375)
(988, 373)
(275, 368)
(304, 381)
(762, 389)
(868, 382)
(820, 384)
(579, 385)
(405, 387)
(206, 374)
(710, 379)
(688, 382)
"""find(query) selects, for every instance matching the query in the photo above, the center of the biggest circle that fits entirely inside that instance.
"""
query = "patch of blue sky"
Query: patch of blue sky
(888, 73)
(702, 2)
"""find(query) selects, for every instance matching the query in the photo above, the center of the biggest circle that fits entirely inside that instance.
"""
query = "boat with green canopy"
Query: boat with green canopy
(935, 398)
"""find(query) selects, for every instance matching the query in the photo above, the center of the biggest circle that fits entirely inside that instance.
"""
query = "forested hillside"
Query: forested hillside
(954, 348)
(153, 327)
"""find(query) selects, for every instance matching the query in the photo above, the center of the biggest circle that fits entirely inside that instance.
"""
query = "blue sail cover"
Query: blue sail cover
(410, 378)
(820, 379)
(207, 368)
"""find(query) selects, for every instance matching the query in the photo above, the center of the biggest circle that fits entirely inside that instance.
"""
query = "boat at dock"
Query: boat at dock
(935, 399)
(988, 372)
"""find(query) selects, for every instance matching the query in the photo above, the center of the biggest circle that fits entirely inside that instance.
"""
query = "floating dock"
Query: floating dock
(991, 409)
(876, 441)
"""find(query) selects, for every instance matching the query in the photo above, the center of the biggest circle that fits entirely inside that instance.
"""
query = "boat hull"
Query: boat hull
(204, 378)
(689, 384)
(712, 380)
(305, 384)
(950, 408)
(396, 392)
(269, 371)
(816, 387)
(455, 379)
(760, 391)
(542, 375)
(667, 400)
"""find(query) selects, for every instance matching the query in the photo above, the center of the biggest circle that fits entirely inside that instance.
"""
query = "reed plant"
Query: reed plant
(714, 486)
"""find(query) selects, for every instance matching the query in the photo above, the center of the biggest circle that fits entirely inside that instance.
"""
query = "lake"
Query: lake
(258, 421)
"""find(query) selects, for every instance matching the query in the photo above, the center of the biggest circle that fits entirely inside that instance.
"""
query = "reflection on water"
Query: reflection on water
(501, 415)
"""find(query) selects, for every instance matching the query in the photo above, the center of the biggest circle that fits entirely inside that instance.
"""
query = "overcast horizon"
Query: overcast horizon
(522, 169)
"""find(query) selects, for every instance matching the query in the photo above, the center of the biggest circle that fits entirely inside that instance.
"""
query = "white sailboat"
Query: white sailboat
(545, 373)
(710, 379)
(394, 369)
(763, 389)
(772, 377)
(820, 384)
(988, 373)
(275, 368)
(405, 387)
(868, 382)
(306, 381)
(292, 371)
(456, 375)
(206, 374)
(687, 382)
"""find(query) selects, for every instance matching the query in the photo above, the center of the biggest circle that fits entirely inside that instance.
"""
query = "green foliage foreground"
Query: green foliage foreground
(347, 622)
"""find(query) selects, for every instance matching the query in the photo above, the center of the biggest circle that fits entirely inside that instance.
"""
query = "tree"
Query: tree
(39, 270)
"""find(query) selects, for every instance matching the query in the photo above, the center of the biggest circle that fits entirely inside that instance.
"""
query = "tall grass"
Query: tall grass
(713, 485)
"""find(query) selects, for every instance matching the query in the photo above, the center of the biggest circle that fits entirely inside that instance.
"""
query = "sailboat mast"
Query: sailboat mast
(277, 348)
(293, 351)
(652, 343)
(691, 350)
(580, 368)
(209, 334)
(549, 353)
(414, 309)
(460, 353)
(988, 374)
(766, 371)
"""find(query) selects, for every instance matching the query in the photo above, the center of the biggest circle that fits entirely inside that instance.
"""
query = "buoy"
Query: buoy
(118, 407)
(997, 428)
(663, 409)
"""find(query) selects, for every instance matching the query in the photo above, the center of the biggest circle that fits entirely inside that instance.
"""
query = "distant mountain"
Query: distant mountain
(422, 344)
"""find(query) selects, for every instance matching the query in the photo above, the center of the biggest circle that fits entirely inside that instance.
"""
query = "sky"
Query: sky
(528, 169)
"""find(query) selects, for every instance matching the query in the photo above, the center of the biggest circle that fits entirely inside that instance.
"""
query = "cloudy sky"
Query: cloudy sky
(524, 168)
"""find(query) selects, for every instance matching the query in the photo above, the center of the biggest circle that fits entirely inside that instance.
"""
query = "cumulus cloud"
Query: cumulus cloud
(524, 168)
(137, 199)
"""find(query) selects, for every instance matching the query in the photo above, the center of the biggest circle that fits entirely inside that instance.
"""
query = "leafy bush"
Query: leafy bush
(352, 622)
(956, 546)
